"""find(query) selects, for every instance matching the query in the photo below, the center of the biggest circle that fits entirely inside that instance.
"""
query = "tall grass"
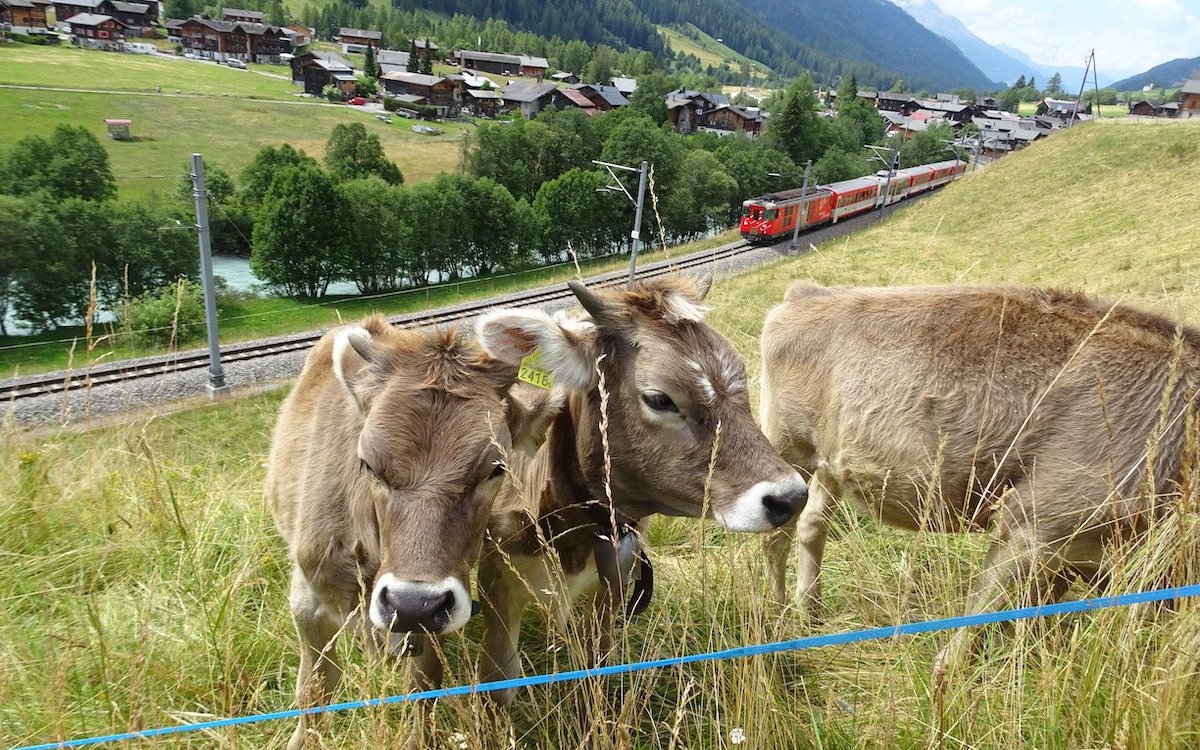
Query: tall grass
(143, 584)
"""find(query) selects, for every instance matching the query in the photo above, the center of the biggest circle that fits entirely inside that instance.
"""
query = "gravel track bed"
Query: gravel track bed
(172, 390)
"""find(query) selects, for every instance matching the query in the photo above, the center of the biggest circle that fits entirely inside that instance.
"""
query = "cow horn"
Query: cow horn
(599, 308)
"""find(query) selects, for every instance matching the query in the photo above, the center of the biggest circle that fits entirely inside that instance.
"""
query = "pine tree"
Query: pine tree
(370, 67)
(414, 62)
(427, 60)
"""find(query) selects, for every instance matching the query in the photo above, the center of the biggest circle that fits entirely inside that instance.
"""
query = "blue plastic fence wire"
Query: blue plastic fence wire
(797, 644)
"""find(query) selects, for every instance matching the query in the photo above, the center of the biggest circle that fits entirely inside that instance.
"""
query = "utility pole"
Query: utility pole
(803, 200)
(893, 164)
(1091, 61)
(216, 376)
(617, 186)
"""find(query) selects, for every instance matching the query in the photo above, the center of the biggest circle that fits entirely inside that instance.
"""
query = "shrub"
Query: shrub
(332, 93)
(173, 314)
(26, 38)
(391, 103)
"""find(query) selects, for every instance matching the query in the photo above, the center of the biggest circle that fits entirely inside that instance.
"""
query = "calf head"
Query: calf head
(436, 425)
(672, 394)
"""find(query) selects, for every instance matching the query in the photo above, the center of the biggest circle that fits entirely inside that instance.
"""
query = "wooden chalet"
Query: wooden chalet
(688, 110)
(729, 118)
(358, 40)
(316, 70)
(1189, 103)
(484, 102)
(301, 35)
(506, 65)
(233, 40)
(25, 16)
(1144, 108)
(418, 88)
(891, 101)
(64, 9)
(97, 31)
(565, 98)
(238, 14)
(603, 97)
(391, 61)
(528, 97)
(139, 18)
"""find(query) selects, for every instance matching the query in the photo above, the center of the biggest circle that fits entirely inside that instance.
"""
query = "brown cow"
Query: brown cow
(386, 458)
(1054, 420)
(677, 438)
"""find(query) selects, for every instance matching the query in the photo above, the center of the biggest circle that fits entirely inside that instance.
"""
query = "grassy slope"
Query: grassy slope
(144, 583)
(708, 49)
(220, 122)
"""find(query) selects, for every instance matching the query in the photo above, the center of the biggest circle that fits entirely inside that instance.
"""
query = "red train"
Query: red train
(773, 216)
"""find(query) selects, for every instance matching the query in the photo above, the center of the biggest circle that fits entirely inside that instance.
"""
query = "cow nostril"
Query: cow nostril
(781, 506)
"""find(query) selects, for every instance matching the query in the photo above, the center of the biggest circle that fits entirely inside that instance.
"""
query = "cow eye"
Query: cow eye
(660, 402)
(497, 472)
(367, 468)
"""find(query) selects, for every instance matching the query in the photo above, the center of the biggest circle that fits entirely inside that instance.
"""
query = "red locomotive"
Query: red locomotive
(773, 216)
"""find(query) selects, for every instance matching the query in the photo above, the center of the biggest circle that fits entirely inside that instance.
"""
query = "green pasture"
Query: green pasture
(64, 66)
(708, 49)
(144, 584)
(229, 132)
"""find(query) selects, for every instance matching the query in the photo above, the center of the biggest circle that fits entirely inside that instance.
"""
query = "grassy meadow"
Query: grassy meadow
(250, 111)
(144, 583)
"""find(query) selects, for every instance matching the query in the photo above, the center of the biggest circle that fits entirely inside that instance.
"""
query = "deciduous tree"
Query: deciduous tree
(352, 152)
(301, 229)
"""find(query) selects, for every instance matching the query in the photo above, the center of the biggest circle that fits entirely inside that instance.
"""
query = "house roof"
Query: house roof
(360, 33)
(577, 98)
(474, 81)
(413, 79)
(533, 62)
(893, 96)
(254, 14)
(90, 19)
(137, 8)
(526, 91)
(16, 3)
(609, 94)
(173, 23)
(391, 57)
(487, 57)
(484, 94)
(1193, 84)
(421, 43)
(563, 75)
(330, 62)
(625, 85)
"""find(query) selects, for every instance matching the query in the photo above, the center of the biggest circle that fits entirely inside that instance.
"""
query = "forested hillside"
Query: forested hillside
(878, 32)
(871, 39)
(1168, 75)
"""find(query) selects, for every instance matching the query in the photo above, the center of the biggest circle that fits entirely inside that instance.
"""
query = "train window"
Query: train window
(745, 210)
(772, 214)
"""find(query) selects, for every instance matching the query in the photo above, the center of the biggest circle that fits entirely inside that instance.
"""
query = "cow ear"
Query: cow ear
(704, 286)
(567, 348)
(361, 363)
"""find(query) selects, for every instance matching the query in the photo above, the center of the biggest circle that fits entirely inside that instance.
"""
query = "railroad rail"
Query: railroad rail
(119, 372)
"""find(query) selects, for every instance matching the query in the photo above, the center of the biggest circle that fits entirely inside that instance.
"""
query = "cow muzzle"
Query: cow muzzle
(417, 606)
(765, 506)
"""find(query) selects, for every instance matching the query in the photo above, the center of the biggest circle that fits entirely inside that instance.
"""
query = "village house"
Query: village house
(233, 40)
(358, 40)
(140, 19)
(482, 102)
(301, 35)
(418, 88)
(173, 27)
(238, 14)
(603, 97)
(1189, 103)
(316, 70)
(563, 76)
(564, 98)
(506, 65)
(527, 96)
(1063, 110)
(96, 31)
(64, 9)
(688, 110)
(625, 85)
(892, 101)
(25, 16)
(1144, 108)
(729, 118)
(391, 61)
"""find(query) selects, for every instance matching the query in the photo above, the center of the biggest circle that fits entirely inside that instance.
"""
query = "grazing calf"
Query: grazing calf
(657, 421)
(1055, 421)
(385, 461)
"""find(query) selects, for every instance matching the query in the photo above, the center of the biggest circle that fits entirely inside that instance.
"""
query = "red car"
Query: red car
(356, 100)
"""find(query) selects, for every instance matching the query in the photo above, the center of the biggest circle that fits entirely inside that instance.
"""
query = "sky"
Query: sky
(1129, 36)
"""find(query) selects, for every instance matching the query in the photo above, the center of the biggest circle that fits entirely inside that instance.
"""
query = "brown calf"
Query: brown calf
(658, 422)
(385, 461)
(1054, 420)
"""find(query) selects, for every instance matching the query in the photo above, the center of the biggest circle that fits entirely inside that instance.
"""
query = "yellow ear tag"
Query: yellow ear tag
(531, 371)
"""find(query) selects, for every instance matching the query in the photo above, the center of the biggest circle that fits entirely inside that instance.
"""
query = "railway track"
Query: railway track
(122, 372)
